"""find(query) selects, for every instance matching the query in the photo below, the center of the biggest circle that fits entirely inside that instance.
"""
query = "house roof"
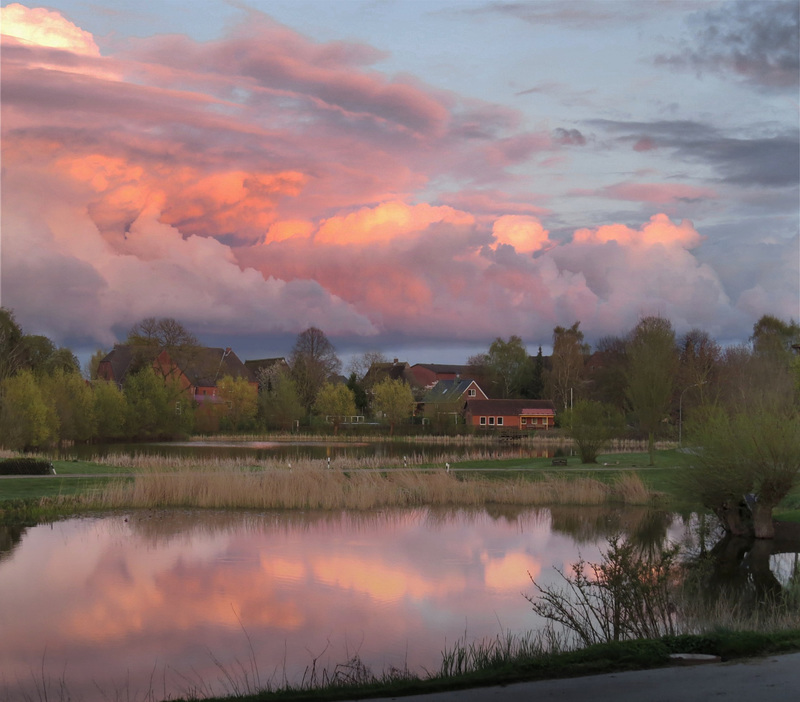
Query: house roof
(508, 408)
(449, 390)
(257, 364)
(444, 368)
(380, 371)
(202, 365)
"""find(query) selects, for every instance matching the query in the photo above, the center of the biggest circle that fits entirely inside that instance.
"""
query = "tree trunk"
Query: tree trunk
(762, 519)
(732, 520)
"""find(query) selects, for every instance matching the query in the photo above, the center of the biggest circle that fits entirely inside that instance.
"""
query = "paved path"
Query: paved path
(769, 679)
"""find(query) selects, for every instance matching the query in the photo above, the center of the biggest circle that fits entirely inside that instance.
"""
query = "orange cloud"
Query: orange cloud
(526, 234)
(41, 27)
(659, 230)
(387, 221)
(659, 193)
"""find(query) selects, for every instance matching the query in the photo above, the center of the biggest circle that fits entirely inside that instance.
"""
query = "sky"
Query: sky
(416, 177)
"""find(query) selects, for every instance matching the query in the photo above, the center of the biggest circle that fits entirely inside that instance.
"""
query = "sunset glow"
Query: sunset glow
(414, 175)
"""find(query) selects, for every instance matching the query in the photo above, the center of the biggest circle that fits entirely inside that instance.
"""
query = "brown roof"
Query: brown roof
(510, 408)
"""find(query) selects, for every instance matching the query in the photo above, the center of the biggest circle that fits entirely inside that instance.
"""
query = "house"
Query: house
(378, 372)
(197, 368)
(525, 415)
(444, 402)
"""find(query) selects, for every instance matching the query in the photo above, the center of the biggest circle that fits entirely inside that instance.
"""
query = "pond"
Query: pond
(153, 604)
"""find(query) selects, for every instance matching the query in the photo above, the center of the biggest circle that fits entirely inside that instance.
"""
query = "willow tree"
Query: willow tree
(751, 451)
(652, 366)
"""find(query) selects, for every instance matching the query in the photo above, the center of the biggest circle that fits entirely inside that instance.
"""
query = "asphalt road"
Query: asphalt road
(769, 679)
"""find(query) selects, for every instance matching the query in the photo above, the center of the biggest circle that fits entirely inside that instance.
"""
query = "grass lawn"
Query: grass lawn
(46, 486)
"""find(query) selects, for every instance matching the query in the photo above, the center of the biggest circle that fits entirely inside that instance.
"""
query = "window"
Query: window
(483, 421)
(499, 421)
(472, 392)
(491, 421)
(523, 421)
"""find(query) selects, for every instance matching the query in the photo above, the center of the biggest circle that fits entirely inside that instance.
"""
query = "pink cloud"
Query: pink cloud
(658, 193)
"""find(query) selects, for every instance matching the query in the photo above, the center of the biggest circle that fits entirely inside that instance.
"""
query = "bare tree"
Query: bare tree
(165, 331)
(360, 365)
(567, 362)
(313, 361)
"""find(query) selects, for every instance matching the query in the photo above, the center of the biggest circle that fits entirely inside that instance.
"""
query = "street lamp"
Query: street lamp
(680, 412)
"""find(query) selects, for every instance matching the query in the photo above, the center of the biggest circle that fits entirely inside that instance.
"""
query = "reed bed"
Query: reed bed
(315, 487)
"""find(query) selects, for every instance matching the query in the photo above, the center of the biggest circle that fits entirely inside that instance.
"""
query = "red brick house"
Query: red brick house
(445, 400)
(525, 415)
(197, 369)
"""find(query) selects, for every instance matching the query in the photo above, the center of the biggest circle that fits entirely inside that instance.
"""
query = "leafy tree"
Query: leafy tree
(39, 354)
(592, 425)
(772, 336)
(394, 399)
(336, 401)
(652, 364)
(110, 409)
(241, 400)
(279, 404)
(506, 362)
(533, 384)
(751, 450)
(359, 393)
(27, 420)
(314, 362)
(567, 363)
(609, 382)
(73, 402)
(153, 411)
(94, 364)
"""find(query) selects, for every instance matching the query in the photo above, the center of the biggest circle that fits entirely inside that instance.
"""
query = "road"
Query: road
(769, 679)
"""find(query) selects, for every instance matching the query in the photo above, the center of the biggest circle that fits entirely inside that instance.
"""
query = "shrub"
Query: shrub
(26, 466)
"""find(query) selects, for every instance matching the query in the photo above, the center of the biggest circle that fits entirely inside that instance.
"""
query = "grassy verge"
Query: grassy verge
(507, 661)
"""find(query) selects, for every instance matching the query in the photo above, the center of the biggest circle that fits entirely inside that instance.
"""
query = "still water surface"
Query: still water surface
(166, 601)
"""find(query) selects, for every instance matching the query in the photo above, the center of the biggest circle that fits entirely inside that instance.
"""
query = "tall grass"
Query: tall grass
(311, 485)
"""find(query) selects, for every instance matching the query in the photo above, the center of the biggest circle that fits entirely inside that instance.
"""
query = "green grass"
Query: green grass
(507, 664)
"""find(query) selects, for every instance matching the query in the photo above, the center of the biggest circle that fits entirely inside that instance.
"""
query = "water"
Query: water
(153, 604)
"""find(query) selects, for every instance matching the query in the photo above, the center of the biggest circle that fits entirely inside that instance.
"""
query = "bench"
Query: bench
(559, 461)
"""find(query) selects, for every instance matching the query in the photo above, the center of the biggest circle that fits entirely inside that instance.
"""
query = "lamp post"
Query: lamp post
(680, 412)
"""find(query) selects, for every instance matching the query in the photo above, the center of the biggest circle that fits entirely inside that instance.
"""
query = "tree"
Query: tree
(360, 365)
(772, 336)
(394, 399)
(567, 363)
(240, 399)
(506, 362)
(533, 384)
(608, 374)
(153, 410)
(39, 354)
(73, 402)
(93, 364)
(336, 401)
(592, 425)
(110, 409)
(359, 393)
(27, 420)
(652, 364)
(314, 362)
(10, 337)
(164, 332)
(279, 404)
(752, 450)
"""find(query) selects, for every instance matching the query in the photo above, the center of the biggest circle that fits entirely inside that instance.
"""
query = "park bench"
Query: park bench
(559, 461)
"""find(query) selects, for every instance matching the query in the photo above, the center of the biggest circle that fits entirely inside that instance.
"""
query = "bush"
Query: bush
(26, 466)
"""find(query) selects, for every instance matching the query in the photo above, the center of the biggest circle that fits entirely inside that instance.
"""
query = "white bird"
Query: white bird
(447, 467)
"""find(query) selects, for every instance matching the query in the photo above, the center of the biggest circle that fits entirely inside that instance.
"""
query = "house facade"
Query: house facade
(444, 402)
(524, 415)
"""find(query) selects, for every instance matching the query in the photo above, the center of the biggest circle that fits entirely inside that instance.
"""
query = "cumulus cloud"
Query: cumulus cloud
(263, 182)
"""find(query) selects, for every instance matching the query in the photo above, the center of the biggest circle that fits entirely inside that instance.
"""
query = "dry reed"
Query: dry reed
(311, 486)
